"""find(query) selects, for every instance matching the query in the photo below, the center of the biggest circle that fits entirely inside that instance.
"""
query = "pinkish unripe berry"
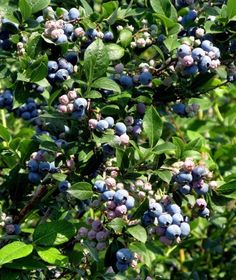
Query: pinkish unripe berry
(110, 182)
(121, 210)
(114, 173)
(188, 165)
(187, 60)
(129, 120)
(64, 100)
(62, 108)
(111, 215)
(139, 183)
(79, 32)
(70, 163)
(72, 94)
(70, 108)
(142, 194)
(124, 139)
(201, 203)
(111, 205)
(93, 123)
(147, 186)
(120, 186)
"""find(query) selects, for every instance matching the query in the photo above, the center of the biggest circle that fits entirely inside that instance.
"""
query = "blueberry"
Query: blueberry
(198, 53)
(34, 177)
(17, 229)
(203, 189)
(52, 66)
(121, 197)
(184, 50)
(191, 70)
(177, 219)
(10, 26)
(124, 256)
(40, 19)
(100, 186)
(72, 57)
(185, 229)
(199, 172)
(122, 266)
(173, 231)
(102, 125)
(62, 39)
(205, 213)
(191, 16)
(147, 220)
(120, 128)
(64, 186)
(130, 202)
(183, 177)
(64, 64)
(78, 114)
(165, 220)
(40, 89)
(173, 209)
(216, 52)
(68, 28)
(108, 195)
(126, 81)
(119, 68)
(110, 121)
(26, 116)
(91, 33)
(73, 14)
(108, 150)
(61, 75)
(204, 64)
(185, 189)
(179, 109)
(34, 114)
(206, 45)
(33, 165)
(44, 166)
(145, 78)
(31, 106)
(108, 36)
(8, 97)
(155, 209)
(80, 103)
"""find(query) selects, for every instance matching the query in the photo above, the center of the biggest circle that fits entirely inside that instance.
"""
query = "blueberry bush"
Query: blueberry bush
(117, 139)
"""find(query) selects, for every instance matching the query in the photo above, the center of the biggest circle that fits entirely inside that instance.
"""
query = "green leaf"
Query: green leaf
(228, 189)
(59, 176)
(141, 249)
(96, 60)
(106, 83)
(117, 225)
(231, 9)
(87, 8)
(14, 250)
(4, 133)
(38, 5)
(53, 233)
(81, 190)
(25, 8)
(115, 51)
(138, 232)
(140, 210)
(165, 175)
(152, 125)
(110, 110)
(27, 263)
(125, 37)
(179, 144)
(53, 256)
(164, 7)
(162, 148)
(171, 43)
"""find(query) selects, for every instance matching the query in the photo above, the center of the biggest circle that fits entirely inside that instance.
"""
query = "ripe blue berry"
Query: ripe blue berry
(108, 36)
(126, 81)
(185, 229)
(173, 231)
(204, 64)
(199, 172)
(120, 128)
(165, 219)
(130, 202)
(155, 209)
(173, 209)
(34, 177)
(110, 121)
(33, 165)
(102, 125)
(62, 39)
(100, 186)
(108, 195)
(205, 213)
(121, 196)
(44, 166)
(61, 75)
(183, 177)
(184, 50)
(145, 78)
(52, 66)
(64, 186)
(73, 14)
(124, 256)
(147, 220)
(177, 219)
(185, 189)
(198, 53)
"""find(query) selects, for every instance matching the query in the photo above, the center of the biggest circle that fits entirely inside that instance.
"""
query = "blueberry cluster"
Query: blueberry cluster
(38, 167)
(120, 128)
(172, 225)
(60, 70)
(97, 234)
(7, 223)
(7, 28)
(124, 258)
(200, 59)
(191, 177)
(70, 103)
(6, 100)
(127, 81)
(185, 110)
(118, 200)
(29, 110)
(142, 188)
(61, 30)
